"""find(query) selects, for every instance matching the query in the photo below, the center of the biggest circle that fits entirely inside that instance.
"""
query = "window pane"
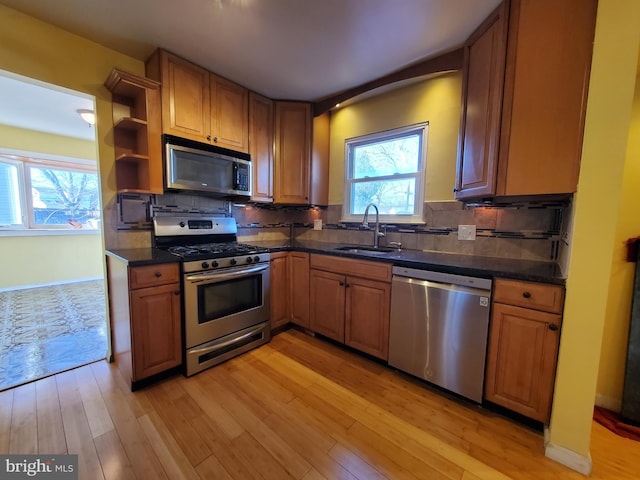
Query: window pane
(387, 157)
(392, 197)
(10, 212)
(65, 197)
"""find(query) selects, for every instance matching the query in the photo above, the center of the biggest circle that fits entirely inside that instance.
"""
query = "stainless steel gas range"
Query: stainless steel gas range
(225, 288)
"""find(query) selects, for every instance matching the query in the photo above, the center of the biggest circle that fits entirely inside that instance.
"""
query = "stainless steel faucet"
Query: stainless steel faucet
(365, 223)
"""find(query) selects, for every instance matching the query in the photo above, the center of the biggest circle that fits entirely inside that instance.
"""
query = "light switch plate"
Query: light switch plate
(466, 232)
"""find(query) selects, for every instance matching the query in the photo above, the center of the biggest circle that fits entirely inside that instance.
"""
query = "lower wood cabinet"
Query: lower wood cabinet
(146, 322)
(279, 289)
(350, 302)
(299, 276)
(523, 346)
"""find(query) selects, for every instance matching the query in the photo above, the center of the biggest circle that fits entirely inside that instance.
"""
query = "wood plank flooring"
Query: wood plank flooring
(297, 408)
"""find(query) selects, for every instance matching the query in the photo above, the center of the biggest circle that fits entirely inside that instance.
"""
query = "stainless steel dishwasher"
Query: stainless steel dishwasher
(439, 327)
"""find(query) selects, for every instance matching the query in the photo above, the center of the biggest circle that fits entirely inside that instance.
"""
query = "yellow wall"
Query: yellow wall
(57, 258)
(32, 141)
(615, 336)
(436, 100)
(598, 206)
(39, 50)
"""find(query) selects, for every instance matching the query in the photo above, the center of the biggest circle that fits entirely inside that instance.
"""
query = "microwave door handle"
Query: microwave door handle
(235, 176)
(219, 276)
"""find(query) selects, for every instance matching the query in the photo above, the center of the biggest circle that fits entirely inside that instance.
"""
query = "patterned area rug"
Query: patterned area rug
(47, 330)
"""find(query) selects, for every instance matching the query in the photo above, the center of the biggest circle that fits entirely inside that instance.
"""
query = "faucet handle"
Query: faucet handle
(398, 245)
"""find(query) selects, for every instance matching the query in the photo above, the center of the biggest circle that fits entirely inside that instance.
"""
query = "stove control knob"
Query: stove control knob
(182, 224)
(249, 259)
(256, 258)
(205, 265)
(214, 264)
(233, 261)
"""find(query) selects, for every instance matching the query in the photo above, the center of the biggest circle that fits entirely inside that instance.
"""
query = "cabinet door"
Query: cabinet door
(327, 302)
(299, 265)
(279, 289)
(261, 147)
(185, 99)
(521, 362)
(292, 152)
(229, 114)
(484, 64)
(367, 316)
(155, 329)
(546, 83)
(320, 160)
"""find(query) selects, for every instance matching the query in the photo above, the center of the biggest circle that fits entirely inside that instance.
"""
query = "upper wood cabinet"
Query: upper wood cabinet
(524, 136)
(292, 160)
(261, 147)
(136, 132)
(320, 159)
(199, 105)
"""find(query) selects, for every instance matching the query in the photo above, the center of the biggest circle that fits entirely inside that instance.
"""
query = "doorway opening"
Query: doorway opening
(53, 313)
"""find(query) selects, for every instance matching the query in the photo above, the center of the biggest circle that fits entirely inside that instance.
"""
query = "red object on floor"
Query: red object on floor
(613, 422)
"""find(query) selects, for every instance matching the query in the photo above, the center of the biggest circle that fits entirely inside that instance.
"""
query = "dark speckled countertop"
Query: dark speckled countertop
(547, 272)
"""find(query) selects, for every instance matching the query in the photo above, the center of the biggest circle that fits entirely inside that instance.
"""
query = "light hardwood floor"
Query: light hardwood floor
(299, 408)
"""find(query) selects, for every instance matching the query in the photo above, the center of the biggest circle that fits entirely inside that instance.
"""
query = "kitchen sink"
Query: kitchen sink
(367, 250)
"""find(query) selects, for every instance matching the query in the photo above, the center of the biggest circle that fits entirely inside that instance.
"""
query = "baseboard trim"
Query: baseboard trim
(568, 458)
(50, 284)
(610, 403)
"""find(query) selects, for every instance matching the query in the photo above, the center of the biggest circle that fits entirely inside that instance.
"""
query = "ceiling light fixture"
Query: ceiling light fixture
(88, 116)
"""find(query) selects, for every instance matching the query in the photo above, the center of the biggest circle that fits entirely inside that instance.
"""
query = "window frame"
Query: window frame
(419, 176)
(24, 162)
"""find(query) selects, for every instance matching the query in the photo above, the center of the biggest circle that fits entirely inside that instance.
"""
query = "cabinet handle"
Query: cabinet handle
(209, 137)
(526, 294)
(158, 274)
(215, 139)
(341, 284)
(553, 327)
(455, 190)
(347, 285)
(177, 292)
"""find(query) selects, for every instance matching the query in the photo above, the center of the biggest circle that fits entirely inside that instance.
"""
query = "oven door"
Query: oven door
(218, 303)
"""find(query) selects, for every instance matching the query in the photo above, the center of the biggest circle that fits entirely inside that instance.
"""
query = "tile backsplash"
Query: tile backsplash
(525, 230)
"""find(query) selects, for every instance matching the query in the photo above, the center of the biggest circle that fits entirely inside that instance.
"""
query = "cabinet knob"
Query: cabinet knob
(209, 137)
(215, 139)
(553, 327)
(158, 274)
(177, 292)
(342, 284)
(526, 294)
(455, 190)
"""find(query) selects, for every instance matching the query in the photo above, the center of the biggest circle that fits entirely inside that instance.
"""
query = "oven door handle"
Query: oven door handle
(220, 276)
(218, 346)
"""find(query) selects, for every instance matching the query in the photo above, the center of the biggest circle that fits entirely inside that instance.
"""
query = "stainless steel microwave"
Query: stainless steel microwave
(208, 169)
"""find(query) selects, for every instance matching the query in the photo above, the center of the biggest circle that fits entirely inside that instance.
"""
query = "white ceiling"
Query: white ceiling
(39, 106)
(284, 49)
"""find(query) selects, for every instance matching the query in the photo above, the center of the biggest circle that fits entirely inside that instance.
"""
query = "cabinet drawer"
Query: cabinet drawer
(150, 275)
(539, 296)
(349, 266)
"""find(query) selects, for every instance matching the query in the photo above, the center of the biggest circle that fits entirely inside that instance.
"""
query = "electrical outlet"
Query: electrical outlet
(466, 232)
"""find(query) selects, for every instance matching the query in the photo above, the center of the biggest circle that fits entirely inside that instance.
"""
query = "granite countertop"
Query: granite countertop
(536, 271)
(142, 256)
(529, 270)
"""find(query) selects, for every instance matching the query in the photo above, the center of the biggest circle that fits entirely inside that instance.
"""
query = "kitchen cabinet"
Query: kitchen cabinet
(292, 161)
(320, 159)
(299, 268)
(146, 320)
(350, 302)
(199, 105)
(136, 132)
(261, 147)
(523, 135)
(523, 346)
(279, 288)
